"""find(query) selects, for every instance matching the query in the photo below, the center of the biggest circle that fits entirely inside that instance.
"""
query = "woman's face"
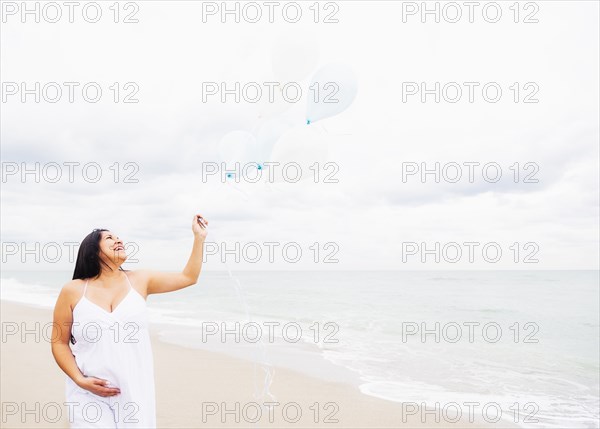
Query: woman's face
(112, 248)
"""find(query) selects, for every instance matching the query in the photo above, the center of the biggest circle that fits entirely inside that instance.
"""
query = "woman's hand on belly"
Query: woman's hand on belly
(98, 386)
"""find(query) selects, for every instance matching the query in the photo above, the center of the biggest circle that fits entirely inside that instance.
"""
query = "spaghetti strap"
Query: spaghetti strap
(85, 288)
(130, 287)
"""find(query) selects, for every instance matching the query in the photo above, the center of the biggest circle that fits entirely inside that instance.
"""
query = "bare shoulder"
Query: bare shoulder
(139, 280)
(73, 287)
(141, 276)
(70, 292)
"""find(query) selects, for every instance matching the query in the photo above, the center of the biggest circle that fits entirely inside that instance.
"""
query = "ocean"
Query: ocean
(522, 342)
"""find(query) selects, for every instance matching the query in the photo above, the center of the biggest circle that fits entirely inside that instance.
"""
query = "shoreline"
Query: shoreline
(196, 388)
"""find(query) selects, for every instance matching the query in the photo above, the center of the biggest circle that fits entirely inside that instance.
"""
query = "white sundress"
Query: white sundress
(114, 346)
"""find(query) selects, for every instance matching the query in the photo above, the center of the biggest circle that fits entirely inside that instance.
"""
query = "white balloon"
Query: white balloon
(296, 151)
(237, 147)
(267, 135)
(292, 59)
(268, 108)
(332, 90)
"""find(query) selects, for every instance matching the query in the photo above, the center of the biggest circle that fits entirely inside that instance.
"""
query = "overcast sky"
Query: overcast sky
(371, 211)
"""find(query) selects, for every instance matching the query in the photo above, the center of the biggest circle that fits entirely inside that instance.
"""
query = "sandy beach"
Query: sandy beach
(193, 388)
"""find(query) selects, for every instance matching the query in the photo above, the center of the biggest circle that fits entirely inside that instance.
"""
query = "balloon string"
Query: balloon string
(265, 365)
(265, 186)
(237, 188)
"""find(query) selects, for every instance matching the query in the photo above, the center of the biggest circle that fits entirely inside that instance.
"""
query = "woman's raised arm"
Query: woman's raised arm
(162, 282)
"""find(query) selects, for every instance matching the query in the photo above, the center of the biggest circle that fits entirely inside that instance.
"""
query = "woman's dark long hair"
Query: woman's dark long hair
(88, 259)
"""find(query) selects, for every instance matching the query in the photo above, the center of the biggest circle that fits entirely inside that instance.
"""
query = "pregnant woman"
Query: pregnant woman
(100, 332)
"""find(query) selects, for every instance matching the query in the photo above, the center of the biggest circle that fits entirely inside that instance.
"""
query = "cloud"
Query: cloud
(170, 133)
